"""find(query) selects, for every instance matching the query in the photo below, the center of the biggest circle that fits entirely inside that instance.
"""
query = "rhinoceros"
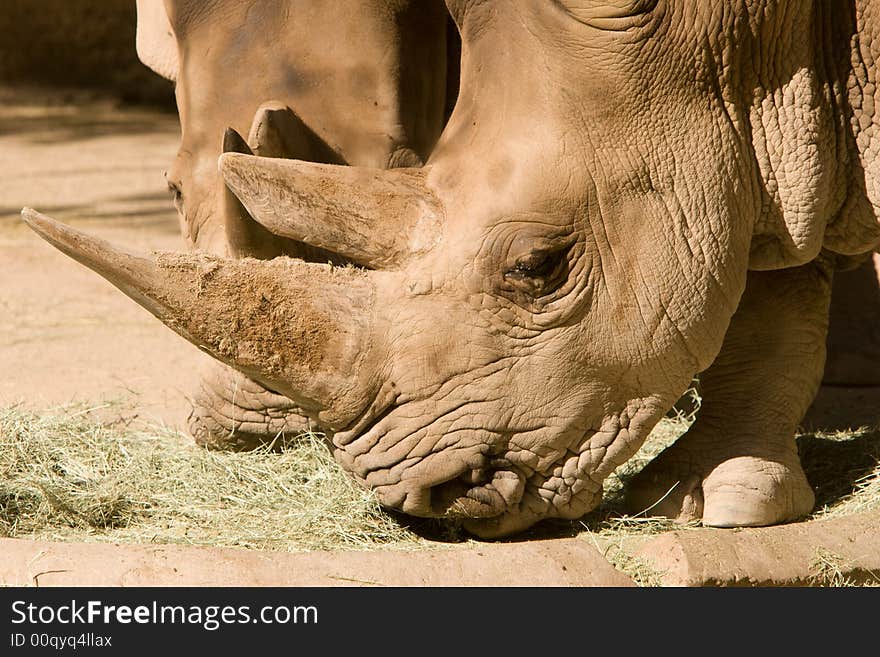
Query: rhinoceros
(627, 193)
(361, 82)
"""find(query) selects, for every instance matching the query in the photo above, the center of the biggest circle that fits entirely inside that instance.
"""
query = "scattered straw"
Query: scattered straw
(66, 476)
(843, 468)
(830, 570)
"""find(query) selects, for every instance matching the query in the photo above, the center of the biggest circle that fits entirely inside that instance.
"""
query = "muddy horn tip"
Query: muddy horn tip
(38, 222)
(57, 233)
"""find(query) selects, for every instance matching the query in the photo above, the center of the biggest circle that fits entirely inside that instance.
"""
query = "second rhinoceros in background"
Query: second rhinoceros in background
(361, 82)
(627, 193)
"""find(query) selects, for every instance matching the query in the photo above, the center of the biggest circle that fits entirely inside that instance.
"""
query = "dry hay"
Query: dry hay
(64, 475)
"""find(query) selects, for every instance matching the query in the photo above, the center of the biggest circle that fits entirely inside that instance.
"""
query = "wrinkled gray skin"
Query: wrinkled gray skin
(361, 82)
(627, 193)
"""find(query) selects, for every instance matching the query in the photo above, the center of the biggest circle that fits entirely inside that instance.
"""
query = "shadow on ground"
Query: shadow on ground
(60, 127)
(142, 210)
(836, 462)
(42, 115)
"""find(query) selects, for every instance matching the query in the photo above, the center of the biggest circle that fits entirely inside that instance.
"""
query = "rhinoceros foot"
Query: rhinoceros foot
(232, 412)
(721, 489)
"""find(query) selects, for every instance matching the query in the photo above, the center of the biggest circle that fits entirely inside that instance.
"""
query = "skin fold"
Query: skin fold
(627, 194)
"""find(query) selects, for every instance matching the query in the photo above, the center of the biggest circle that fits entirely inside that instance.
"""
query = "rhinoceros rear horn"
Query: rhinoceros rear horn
(296, 327)
(375, 217)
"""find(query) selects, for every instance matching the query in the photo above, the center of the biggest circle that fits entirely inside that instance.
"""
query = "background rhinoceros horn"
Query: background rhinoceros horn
(278, 131)
(235, 143)
(374, 217)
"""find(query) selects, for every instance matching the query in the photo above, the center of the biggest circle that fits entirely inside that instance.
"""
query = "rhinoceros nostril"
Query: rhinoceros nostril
(478, 493)
(475, 477)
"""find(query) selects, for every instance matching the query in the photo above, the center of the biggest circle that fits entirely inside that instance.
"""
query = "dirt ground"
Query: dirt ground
(66, 335)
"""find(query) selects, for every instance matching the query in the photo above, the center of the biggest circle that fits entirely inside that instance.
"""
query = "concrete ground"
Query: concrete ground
(67, 336)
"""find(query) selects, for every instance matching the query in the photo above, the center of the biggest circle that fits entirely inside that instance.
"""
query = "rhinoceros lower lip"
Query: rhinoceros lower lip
(477, 494)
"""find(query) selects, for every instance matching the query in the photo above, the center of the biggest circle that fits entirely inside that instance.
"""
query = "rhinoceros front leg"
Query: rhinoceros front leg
(232, 412)
(738, 464)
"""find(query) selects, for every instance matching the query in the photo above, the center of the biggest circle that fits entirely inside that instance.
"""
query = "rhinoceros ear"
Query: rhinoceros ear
(458, 8)
(156, 43)
(378, 218)
(609, 14)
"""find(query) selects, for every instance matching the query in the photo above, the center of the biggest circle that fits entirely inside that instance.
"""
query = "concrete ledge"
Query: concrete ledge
(802, 554)
(821, 552)
(566, 562)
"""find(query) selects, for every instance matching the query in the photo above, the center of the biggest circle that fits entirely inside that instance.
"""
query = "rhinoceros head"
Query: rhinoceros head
(526, 306)
(359, 82)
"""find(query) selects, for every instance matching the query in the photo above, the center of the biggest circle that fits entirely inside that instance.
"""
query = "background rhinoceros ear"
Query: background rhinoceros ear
(156, 43)
(457, 9)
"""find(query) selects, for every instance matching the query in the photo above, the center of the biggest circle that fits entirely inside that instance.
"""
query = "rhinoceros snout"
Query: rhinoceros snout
(478, 493)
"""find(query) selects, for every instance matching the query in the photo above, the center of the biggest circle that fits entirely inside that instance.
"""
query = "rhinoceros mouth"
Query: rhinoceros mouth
(478, 493)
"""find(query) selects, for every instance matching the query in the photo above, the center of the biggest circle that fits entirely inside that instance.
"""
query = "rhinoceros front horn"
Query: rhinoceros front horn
(376, 218)
(298, 328)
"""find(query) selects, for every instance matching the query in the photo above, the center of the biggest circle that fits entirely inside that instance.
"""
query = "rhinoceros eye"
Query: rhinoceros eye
(539, 272)
(176, 195)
